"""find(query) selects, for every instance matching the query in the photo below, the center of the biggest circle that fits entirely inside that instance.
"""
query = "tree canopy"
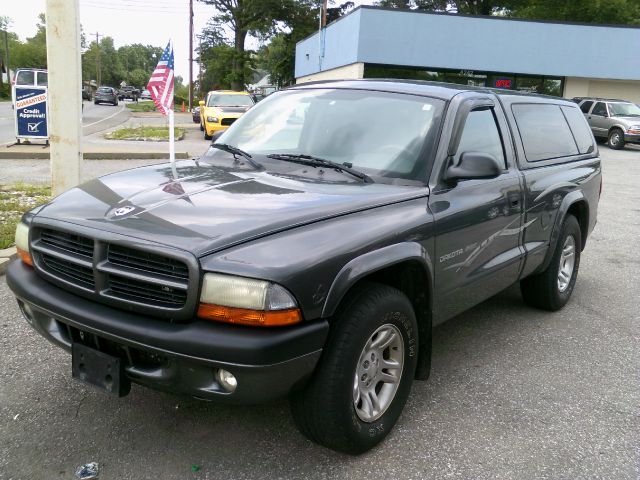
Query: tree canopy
(584, 11)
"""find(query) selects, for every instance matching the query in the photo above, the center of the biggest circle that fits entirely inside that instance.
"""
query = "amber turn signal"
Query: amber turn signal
(256, 318)
(25, 256)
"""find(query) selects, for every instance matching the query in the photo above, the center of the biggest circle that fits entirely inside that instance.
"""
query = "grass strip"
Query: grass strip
(145, 133)
(15, 199)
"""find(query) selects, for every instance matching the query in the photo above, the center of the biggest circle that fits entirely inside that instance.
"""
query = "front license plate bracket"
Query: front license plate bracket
(99, 369)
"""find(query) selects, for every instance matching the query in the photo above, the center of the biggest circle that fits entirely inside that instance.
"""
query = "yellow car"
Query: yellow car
(221, 108)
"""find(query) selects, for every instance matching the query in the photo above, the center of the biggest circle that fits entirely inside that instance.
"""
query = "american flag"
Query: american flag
(161, 82)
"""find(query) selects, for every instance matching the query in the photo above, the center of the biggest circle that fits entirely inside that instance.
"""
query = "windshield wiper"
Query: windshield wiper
(235, 151)
(321, 162)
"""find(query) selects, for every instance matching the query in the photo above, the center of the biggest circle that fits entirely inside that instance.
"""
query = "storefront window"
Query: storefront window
(529, 84)
(509, 81)
(552, 86)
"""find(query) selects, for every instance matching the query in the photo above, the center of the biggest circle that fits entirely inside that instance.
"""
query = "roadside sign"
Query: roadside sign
(31, 113)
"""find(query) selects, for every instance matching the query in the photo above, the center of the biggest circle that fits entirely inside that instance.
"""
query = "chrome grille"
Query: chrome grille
(146, 261)
(68, 242)
(130, 278)
(137, 291)
(71, 272)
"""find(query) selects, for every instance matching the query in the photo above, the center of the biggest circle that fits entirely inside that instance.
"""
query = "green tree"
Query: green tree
(33, 52)
(244, 17)
(585, 11)
(278, 56)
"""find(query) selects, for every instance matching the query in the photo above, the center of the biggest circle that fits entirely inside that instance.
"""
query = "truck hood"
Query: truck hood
(210, 208)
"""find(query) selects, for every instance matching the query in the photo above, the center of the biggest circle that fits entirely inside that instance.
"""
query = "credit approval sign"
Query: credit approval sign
(31, 113)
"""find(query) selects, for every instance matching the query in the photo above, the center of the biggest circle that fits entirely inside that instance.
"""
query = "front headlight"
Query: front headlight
(247, 301)
(212, 119)
(22, 243)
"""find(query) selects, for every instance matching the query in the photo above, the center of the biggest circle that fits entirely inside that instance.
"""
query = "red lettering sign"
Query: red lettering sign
(503, 83)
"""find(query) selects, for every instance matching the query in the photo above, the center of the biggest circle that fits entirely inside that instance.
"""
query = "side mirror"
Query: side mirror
(474, 165)
(201, 103)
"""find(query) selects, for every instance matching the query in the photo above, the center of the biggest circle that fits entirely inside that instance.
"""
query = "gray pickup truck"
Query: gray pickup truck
(312, 249)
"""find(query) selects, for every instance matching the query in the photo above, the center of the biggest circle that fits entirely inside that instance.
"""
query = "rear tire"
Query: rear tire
(616, 139)
(364, 376)
(552, 288)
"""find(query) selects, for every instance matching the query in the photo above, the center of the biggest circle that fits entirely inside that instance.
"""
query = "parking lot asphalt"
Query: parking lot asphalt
(515, 393)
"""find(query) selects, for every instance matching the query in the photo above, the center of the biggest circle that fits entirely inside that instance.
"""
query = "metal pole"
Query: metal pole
(190, 54)
(6, 49)
(98, 69)
(65, 101)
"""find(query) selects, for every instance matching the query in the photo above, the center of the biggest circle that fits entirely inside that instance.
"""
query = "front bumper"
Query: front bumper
(212, 128)
(176, 357)
(632, 138)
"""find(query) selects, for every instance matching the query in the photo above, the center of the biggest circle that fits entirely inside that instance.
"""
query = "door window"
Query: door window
(43, 79)
(481, 134)
(600, 109)
(586, 106)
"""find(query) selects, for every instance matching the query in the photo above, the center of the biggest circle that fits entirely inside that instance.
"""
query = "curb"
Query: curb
(16, 155)
(6, 256)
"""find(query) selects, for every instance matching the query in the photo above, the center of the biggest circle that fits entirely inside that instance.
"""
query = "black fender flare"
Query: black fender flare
(568, 200)
(376, 260)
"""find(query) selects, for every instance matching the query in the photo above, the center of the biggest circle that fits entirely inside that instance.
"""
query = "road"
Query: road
(515, 393)
(95, 118)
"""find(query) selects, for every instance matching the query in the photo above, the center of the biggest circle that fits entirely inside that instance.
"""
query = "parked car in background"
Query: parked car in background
(221, 108)
(86, 93)
(145, 95)
(132, 93)
(106, 95)
(617, 121)
(28, 77)
(195, 113)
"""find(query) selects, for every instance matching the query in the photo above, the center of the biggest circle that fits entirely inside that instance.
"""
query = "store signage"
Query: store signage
(502, 83)
(31, 113)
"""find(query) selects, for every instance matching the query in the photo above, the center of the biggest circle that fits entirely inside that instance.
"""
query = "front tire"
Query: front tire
(365, 374)
(552, 288)
(616, 139)
(206, 137)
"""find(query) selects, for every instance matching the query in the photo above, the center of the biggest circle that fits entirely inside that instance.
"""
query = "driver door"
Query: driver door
(477, 221)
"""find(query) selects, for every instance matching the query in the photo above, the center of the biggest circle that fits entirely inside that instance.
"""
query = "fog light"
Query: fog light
(27, 312)
(227, 380)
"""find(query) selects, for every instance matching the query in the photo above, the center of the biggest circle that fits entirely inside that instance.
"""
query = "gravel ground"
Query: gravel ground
(515, 393)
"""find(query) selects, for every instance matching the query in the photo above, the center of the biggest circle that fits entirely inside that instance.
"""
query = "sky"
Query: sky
(150, 22)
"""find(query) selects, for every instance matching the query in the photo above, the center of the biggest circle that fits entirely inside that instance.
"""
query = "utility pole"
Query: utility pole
(324, 14)
(65, 101)
(200, 70)
(98, 66)
(190, 54)
(6, 51)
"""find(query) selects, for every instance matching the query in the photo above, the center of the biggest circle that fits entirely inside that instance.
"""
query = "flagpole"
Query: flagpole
(172, 140)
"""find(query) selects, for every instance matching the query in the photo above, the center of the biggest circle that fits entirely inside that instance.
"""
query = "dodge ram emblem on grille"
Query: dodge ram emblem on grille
(118, 212)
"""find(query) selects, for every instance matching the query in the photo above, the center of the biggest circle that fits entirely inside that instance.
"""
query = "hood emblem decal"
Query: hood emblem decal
(118, 212)
(121, 212)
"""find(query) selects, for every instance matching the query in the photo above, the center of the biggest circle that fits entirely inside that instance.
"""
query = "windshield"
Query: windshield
(378, 133)
(229, 101)
(624, 109)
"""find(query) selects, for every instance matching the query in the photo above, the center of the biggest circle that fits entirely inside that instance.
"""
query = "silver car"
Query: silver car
(617, 121)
